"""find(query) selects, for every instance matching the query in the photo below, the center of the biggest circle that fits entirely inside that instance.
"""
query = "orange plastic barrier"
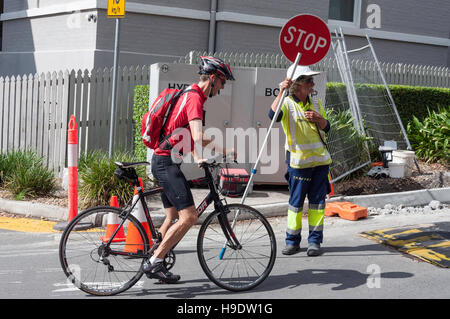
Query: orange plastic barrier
(345, 210)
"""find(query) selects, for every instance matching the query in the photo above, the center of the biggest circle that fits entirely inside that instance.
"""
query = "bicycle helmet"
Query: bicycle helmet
(211, 65)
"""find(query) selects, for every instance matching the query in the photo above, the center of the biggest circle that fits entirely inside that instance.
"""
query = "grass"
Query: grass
(98, 182)
(25, 175)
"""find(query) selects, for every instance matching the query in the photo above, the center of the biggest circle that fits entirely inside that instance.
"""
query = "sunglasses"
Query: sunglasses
(306, 80)
(222, 80)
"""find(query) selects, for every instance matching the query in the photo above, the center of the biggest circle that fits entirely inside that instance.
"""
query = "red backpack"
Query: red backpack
(154, 120)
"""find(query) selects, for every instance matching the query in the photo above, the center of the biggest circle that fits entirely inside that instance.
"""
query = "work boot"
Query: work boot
(159, 271)
(290, 250)
(313, 249)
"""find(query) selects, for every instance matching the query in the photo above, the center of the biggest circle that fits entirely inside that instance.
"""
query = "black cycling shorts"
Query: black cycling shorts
(176, 191)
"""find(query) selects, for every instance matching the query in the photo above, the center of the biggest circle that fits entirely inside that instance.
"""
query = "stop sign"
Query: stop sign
(305, 34)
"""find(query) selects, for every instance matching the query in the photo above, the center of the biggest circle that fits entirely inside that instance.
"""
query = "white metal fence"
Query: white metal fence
(35, 109)
(395, 73)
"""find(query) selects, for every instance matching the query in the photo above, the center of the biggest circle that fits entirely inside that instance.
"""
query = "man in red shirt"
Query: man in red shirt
(186, 116)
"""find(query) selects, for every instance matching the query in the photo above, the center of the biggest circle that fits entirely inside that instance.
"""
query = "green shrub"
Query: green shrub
(346, 137)
(430, 137)
(409, 100)
(415, 100)
(97, 182)
(4, 167)
(25, 175)
(141, 101)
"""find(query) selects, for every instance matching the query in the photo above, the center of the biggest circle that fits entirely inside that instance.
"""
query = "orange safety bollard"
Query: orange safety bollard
(72, 167)
(133, 241)
(112, 224)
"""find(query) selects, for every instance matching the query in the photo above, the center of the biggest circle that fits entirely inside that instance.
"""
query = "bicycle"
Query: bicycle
(236, 245)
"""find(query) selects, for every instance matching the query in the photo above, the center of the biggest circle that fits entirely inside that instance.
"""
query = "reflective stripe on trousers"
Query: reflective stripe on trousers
(311, 182)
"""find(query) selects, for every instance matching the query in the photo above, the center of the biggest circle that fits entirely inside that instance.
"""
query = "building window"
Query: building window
(345, 12)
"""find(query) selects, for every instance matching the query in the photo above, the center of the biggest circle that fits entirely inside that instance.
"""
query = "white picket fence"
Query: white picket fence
(35, 109)
(395, 73)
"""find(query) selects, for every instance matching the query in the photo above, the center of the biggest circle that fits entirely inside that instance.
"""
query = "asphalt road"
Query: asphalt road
(350, 267)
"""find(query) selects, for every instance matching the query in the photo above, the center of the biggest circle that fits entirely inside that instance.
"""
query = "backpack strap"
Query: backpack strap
(164, 142)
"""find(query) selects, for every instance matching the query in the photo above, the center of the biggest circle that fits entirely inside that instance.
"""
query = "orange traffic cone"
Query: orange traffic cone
(331, 185)
(133, 242)
(113, 223)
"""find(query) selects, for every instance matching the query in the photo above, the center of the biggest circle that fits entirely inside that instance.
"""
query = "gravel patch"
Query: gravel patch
(390, 209)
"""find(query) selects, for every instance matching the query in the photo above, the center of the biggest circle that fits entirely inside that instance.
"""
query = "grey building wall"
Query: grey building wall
(147, 39)
(66, 39)
(277, 9)
(429, 18)
(244, 37)
(402, 52)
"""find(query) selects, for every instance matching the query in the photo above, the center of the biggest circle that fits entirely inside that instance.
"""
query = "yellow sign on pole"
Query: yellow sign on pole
(116, 8)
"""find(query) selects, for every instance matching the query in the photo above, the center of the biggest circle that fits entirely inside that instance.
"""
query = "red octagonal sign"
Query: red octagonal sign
(305, 34)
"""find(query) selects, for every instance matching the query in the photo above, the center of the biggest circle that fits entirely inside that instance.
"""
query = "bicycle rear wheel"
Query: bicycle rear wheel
(92, 265)
(243, 268)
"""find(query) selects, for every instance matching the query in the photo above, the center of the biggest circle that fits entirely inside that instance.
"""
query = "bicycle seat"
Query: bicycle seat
(130, 164)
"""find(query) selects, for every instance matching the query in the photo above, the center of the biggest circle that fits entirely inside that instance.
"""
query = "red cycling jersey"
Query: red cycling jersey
(188, 107)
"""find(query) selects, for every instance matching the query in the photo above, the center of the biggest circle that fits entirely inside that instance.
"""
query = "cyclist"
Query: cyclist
(176, 196)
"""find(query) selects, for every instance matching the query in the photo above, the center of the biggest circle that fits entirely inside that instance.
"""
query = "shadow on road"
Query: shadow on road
(341, 279)
(338, 279)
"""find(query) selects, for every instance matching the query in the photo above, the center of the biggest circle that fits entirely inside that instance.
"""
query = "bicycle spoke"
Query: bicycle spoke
(99, 268)
(239, 268)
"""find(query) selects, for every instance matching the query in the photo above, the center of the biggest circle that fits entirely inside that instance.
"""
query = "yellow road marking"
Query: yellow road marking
(27, 225)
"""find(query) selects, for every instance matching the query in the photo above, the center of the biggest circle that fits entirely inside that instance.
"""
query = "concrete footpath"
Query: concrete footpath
(271, 201)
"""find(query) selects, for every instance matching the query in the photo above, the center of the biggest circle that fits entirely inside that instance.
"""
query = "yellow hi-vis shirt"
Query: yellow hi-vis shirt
(302, 137)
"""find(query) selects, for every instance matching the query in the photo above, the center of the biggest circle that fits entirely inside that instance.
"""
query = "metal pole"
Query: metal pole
(352, 86)
(268, 132)
(114, 89)
(212, 27)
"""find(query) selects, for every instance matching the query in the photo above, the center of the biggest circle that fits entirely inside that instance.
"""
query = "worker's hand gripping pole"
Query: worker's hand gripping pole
(254, 170)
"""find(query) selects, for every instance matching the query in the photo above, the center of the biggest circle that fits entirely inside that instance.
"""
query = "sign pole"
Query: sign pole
(285, 93)
(114, 88)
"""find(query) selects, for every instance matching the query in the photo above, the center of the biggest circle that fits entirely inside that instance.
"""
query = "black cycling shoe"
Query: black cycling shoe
(159, 271)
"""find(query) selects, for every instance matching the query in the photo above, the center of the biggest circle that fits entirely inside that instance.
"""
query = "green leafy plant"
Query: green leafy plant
(4, 167)
(97, 182)
(409, 100)
(141, 100)
(26, 175)
(344, 139)
(430, 137)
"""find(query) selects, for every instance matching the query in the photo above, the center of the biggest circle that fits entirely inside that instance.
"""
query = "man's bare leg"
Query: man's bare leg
(187, 219)
(171, 215)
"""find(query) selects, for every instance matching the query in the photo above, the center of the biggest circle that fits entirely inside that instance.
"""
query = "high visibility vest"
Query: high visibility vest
(302, 137)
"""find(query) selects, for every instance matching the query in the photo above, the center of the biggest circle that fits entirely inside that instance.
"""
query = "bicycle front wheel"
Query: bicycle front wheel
(96, 267)
(241, 268)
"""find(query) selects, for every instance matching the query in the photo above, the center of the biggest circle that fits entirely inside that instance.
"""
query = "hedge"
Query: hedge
(141, 100)
(410, 101)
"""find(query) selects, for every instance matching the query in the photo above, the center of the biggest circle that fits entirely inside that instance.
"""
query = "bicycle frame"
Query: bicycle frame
(211, 197)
